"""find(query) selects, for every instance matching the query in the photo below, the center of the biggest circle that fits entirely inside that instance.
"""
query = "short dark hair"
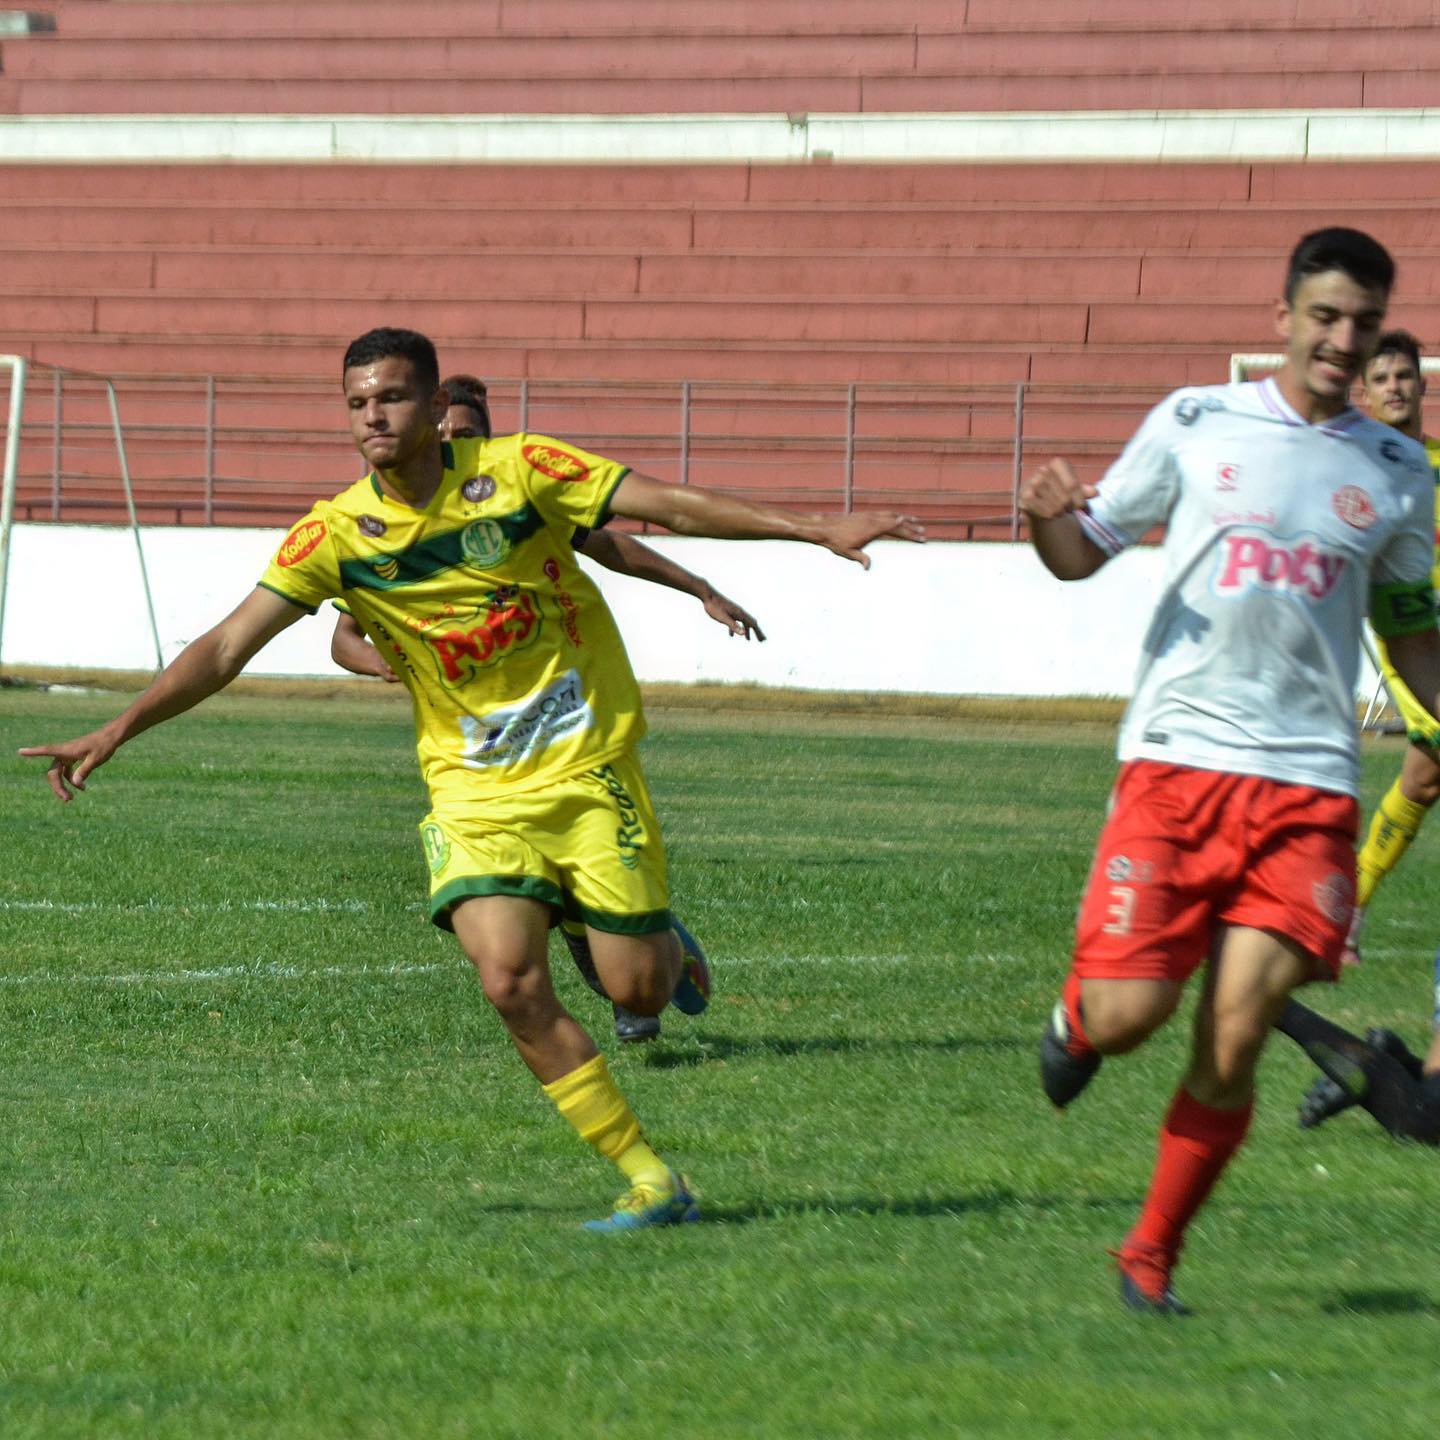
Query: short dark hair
(1396, 342)
(469, 391)
(1354, 253)
(386, 342)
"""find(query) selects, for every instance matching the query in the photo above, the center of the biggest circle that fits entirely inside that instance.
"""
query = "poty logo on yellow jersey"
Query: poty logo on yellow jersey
(300, 542)
(556, 463)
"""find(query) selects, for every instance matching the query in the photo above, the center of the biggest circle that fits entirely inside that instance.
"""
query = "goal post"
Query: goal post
(19, 369)
(1247, 367)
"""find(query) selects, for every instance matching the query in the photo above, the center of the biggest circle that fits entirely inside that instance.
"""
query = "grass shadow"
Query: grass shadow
(666, 1055)
(1380, 1302)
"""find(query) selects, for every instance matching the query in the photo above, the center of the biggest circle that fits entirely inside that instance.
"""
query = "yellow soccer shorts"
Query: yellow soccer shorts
(589, 846)
(1418, 721)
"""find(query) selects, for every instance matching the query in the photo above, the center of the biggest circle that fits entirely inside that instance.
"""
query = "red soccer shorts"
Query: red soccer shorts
(1185, 850)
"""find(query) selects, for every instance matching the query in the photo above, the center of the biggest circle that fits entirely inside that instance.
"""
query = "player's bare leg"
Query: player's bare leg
(505, 939)
(1247, 984)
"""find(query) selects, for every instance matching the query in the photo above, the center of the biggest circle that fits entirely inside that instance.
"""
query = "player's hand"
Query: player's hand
(73, 760)
(1054, 490)
(376, 666)
(847, 535)
(732, 617)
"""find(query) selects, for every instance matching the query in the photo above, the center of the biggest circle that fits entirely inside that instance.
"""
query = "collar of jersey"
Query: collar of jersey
(1274, 400)
(447, 458)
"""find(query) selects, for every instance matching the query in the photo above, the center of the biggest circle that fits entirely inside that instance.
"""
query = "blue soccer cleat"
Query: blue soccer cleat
(692, 991)
(643, 1207)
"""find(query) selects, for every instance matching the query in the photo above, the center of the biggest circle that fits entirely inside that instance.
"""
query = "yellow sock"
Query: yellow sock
(1392, 828)
(591, 1101)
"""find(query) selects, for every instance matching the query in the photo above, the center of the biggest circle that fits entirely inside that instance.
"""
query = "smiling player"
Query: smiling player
(1230, 844)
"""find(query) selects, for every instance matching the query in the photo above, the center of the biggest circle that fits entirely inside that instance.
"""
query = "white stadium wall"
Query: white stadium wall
(950, 619)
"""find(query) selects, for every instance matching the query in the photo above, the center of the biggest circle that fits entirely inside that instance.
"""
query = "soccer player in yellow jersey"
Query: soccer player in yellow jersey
(467, 417)
(1395, 393)
(456, 558)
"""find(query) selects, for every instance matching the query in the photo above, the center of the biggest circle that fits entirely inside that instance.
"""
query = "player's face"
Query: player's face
(391, 417)
(462, 423)
(1394, 389)
(1329, 329)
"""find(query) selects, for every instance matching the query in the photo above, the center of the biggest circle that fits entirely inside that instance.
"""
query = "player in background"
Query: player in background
(1231, 836)
(467, 417)
(457, 555)
(1406, 1102)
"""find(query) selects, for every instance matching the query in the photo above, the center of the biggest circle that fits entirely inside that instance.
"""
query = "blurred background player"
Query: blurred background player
(1230, 841)
(525, 731)
(467, 417)
(1394, 392)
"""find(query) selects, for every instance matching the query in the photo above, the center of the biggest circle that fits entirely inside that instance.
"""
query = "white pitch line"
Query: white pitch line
(346, 972)
(90, 907)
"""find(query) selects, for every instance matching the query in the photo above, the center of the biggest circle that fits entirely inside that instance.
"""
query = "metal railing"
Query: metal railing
(219, 450)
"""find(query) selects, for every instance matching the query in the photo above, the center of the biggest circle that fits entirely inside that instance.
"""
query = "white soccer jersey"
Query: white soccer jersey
(1279, 536)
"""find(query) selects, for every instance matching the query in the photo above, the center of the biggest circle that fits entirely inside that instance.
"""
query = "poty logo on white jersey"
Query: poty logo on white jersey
(1305, 569)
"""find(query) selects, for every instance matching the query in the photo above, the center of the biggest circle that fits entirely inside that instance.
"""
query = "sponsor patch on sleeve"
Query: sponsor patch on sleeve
(299, 543)
(557, 463)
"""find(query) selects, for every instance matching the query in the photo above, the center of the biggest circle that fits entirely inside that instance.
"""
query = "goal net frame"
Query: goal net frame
(20, 369)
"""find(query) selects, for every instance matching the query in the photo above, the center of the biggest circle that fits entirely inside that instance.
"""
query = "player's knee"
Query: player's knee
(1422, 790)
(511, 987)
(1119, 1019)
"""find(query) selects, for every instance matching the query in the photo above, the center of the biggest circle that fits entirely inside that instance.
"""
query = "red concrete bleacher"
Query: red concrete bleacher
(1141, 276)
(621, 57)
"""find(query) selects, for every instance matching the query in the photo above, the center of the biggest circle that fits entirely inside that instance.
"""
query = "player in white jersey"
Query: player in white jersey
(1287, 515)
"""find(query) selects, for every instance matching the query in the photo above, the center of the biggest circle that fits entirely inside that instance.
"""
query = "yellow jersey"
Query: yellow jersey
(513, 661)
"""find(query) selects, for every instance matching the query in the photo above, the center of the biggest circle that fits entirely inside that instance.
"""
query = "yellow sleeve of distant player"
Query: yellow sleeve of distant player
(570, 487)
(305, 569)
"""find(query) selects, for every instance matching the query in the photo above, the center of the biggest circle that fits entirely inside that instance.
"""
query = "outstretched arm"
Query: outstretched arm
(350, 648)
(688, 511)
(200, 669)
(1049, 500)
(626, 555)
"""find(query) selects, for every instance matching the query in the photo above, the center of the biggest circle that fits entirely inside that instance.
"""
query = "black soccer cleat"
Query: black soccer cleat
(633, 1029)
(1145, 1280)
(1391, 1044)
(1063, 1075)
(1166, 1303)
(1323, 1099)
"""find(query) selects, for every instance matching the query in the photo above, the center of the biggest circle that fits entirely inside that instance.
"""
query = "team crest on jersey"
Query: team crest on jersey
(478, 488)
(1354, 507)
(1333, 897)
(484, 543)
(300, 542)
(1227, 476)
(558, 464)
(371, 525)
(437, 847)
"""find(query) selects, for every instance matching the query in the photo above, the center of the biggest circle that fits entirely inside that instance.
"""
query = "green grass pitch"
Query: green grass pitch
(272, 1170)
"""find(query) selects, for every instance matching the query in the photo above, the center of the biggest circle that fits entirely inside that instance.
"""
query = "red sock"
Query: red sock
(1196, 1143)
(1079, 1043)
